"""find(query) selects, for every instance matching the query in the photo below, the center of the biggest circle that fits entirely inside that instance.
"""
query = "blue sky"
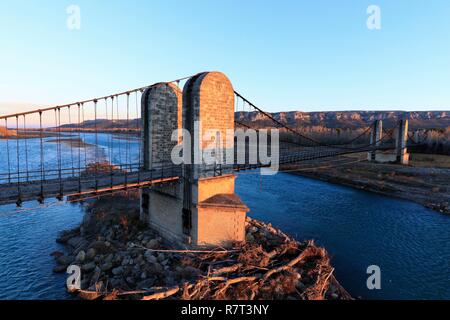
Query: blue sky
(282, 55)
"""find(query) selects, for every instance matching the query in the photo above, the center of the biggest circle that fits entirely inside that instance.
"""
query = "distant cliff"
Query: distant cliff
(349, 119)
(331, 119)
(103, 124)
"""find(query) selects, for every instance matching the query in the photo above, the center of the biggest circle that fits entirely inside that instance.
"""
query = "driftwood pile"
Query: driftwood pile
(270, 266)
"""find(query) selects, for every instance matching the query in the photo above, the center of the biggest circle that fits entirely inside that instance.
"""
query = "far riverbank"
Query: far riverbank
(424, 181)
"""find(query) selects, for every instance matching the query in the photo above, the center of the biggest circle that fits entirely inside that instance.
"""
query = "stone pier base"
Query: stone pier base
(218, 219)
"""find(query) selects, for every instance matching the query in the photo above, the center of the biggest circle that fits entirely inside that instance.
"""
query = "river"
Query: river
(409, 243)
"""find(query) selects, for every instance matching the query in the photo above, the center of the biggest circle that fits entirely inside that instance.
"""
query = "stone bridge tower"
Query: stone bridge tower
(202, 208)
(161, 108)
(400, 155)
(376, 136)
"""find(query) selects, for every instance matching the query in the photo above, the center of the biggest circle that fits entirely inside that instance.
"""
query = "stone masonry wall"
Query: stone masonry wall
(210, 98)
(161, 112)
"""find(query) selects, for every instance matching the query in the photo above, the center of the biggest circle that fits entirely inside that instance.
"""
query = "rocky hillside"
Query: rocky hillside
(104, 124)
(332, 119)
(350, 119)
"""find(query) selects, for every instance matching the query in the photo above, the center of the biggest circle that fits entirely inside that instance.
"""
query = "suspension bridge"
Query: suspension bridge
(124, 141)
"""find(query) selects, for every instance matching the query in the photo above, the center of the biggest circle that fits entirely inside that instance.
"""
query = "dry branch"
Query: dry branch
(162, 295)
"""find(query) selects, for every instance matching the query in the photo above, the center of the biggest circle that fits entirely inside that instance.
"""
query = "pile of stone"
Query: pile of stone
(122, 259)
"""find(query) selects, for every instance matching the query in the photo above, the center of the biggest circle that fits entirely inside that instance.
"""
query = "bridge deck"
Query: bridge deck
(10, 193)
(119, 180)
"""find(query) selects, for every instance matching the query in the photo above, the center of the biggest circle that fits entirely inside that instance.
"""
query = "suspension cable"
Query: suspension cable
(112, 143)
(127, 140)
(139, 137)
(84, 136)
(26, 149)
(283, 125)
(59, 151)
(96, 164)
(7, 150)
(41, 133)
(119, 139)
(19, 193)
(80, 143)
(71, 143)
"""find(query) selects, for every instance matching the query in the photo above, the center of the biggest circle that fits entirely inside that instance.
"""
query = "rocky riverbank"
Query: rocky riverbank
(122, 259)
(428, 186)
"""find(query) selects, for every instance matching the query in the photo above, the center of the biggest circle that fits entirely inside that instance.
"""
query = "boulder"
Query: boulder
(100, 246)
(88, 267)
(117, 259)
(131, 281)
(254, 229)
(146, 284)
(165, 262)
(249, 238)
(106, 266)
(59, 269)
(161, 257)
(64, 236)
(81, 256)
(150, 257)
(90, 254)
(153, 244)
(82, 245)
(117, 271)
(170, 281)
(74, 242)
(156, 268)
(191, 271)
(115, 283)
(109, 258)
(65, 260)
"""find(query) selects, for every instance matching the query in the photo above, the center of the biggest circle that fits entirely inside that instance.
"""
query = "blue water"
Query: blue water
(409, 243)
(27, 238)
(125, 151)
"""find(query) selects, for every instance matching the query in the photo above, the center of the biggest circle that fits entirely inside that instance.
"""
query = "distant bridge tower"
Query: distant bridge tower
(202, 208)
(376, 134)
(401, 142)
(400, 155)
